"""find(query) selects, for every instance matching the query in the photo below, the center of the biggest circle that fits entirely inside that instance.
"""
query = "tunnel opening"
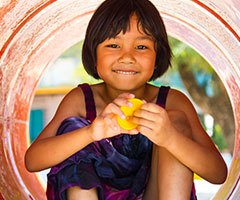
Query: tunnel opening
(33, 38)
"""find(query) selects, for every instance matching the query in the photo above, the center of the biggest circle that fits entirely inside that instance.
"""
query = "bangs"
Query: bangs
(118, 20)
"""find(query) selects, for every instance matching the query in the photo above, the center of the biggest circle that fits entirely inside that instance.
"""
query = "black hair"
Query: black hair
(112, 17)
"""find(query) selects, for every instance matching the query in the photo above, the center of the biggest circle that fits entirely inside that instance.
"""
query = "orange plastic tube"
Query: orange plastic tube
(34, 33)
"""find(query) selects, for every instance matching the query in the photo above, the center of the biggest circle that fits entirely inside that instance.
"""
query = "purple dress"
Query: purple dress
(118, 167)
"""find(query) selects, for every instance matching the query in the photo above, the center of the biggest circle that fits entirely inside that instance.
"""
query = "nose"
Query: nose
(127, 56)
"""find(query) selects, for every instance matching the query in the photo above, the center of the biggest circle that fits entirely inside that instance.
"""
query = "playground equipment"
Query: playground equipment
(34, 33)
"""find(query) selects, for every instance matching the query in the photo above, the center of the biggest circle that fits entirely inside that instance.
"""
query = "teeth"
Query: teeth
(125, 72)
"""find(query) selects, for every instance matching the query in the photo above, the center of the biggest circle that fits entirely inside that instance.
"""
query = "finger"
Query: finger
(111, 123)
(126, 95)
(121, 101)
(149, 123)
(113, 109)
(133, 132)
(152, 107)
(145, 131)
(144, 114)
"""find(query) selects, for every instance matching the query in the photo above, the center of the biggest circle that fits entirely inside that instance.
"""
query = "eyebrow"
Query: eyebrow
(145, 38)
(139, 38)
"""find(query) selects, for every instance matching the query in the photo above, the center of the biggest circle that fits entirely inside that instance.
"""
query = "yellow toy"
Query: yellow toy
(128, 112)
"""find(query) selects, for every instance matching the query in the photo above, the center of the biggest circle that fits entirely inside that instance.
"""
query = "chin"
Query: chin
(127, 87)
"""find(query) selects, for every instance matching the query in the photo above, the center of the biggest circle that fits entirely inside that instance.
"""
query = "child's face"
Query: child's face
(127, 61)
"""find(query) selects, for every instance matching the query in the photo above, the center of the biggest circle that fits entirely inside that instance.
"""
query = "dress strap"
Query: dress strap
(89, 101)
(162, 96)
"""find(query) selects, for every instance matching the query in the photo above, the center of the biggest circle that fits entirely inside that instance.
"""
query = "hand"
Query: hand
(153, 122)
(105, 125)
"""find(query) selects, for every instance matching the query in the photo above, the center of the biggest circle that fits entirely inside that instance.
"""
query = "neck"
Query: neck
(111, 93)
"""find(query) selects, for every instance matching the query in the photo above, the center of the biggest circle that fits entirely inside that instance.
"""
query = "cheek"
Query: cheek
(102, 68)
(150, 62)
(151, 66)
(100, 61)
(150, 72)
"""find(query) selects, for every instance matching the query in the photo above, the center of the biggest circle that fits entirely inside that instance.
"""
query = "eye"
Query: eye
(114, 46)
(141, 47)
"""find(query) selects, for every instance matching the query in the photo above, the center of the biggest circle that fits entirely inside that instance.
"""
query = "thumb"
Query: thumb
(133, 132)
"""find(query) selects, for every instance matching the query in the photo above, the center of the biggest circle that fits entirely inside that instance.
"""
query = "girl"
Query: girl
(91, 156)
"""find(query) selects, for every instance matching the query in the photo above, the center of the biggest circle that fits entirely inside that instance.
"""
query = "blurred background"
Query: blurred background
(189, 72)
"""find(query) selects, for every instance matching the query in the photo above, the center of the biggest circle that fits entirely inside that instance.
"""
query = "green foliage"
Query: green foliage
(84, 76)
(79, 73)
(184, 55)
(218, 138)
(75, 51)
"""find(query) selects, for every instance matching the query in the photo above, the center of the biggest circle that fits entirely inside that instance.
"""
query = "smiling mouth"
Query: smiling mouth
(125, 72)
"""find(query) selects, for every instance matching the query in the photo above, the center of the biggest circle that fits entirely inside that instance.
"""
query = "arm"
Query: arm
(203, 157)
(190, 144)
(48, 150)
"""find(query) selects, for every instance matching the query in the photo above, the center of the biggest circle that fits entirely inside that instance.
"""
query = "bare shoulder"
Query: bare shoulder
(71, 105)
(177, 100)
